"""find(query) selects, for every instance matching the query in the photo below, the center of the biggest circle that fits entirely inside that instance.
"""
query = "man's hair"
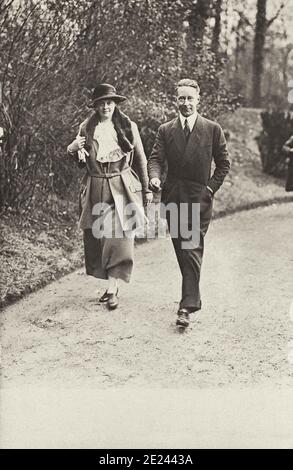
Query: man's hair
(188, 82)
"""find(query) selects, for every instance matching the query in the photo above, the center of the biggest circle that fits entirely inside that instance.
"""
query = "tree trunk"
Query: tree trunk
(285, 59)
(217, 27)
(258, 52)
(200, 12)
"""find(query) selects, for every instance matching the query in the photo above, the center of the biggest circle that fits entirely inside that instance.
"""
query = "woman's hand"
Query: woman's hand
(148, 198)
(77, 144)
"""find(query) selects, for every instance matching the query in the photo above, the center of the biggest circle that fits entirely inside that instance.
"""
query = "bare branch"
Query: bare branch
(5, 7)
(5, 17)
(243, 18)
(269, 22)
(14, 41)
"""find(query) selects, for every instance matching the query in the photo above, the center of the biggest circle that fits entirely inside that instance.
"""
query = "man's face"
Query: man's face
(187, 100)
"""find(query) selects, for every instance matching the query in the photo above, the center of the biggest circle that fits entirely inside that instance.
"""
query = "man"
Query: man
(288, 150)
(180, 164)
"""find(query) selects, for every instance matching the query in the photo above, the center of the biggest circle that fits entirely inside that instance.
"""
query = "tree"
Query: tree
(261, 26)
(200, 12)
(217, 27)
(258, 53)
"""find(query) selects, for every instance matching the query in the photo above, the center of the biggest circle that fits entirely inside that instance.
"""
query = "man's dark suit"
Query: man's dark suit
(287, 148)
(185, 171)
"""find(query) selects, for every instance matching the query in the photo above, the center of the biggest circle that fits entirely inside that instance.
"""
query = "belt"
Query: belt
(109, 175)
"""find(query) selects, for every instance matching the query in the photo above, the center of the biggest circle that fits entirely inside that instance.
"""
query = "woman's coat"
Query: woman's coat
(127, 186)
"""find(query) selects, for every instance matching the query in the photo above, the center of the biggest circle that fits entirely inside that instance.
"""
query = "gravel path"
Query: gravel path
(60, 338)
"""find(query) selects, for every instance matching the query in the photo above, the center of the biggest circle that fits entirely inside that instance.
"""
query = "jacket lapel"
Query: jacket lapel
(178, 135)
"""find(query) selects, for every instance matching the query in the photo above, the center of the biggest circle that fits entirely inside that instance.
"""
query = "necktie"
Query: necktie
(186, 130)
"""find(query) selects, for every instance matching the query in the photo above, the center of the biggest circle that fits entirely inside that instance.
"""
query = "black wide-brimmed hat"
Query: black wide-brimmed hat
(105, 91)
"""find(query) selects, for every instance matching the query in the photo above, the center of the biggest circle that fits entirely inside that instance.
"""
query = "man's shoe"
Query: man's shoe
(112, 302)
(183, 318)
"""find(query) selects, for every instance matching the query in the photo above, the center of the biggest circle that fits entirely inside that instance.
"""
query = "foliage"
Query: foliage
(35, 41)
(276, 55)
(277, 128)
(55, 52)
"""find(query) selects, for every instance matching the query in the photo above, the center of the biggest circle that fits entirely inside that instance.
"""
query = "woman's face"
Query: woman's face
(105, 109)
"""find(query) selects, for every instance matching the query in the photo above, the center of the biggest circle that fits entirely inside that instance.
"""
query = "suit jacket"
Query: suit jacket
(185, 170)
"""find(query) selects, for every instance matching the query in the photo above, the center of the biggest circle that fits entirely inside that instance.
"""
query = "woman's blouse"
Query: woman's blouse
(109, 149)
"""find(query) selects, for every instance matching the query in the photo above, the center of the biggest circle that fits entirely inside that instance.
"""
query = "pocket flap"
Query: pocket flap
(135, 186)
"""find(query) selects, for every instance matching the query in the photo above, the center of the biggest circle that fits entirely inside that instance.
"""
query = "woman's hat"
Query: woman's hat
(105, 91)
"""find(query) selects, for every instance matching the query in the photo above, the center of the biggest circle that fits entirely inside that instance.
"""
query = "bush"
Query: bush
(34, 77)
(277, 128)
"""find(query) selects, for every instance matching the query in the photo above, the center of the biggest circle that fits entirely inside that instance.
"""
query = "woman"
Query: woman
(108, 144)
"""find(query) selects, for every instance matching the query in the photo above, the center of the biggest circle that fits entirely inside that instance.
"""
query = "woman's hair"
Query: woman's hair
(122, 126)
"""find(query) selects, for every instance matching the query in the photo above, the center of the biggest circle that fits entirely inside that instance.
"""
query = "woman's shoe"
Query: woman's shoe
(104, 298)
(112, 302)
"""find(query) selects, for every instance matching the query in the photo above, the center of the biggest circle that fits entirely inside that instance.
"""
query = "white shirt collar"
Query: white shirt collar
(191, 120)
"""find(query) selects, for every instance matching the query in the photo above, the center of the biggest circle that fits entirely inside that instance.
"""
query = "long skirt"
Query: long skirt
(108, 255)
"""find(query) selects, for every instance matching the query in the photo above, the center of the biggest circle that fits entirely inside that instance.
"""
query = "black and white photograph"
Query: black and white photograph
(146, 215)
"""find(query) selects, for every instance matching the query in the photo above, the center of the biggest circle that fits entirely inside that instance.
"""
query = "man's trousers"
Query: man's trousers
(190, 259)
